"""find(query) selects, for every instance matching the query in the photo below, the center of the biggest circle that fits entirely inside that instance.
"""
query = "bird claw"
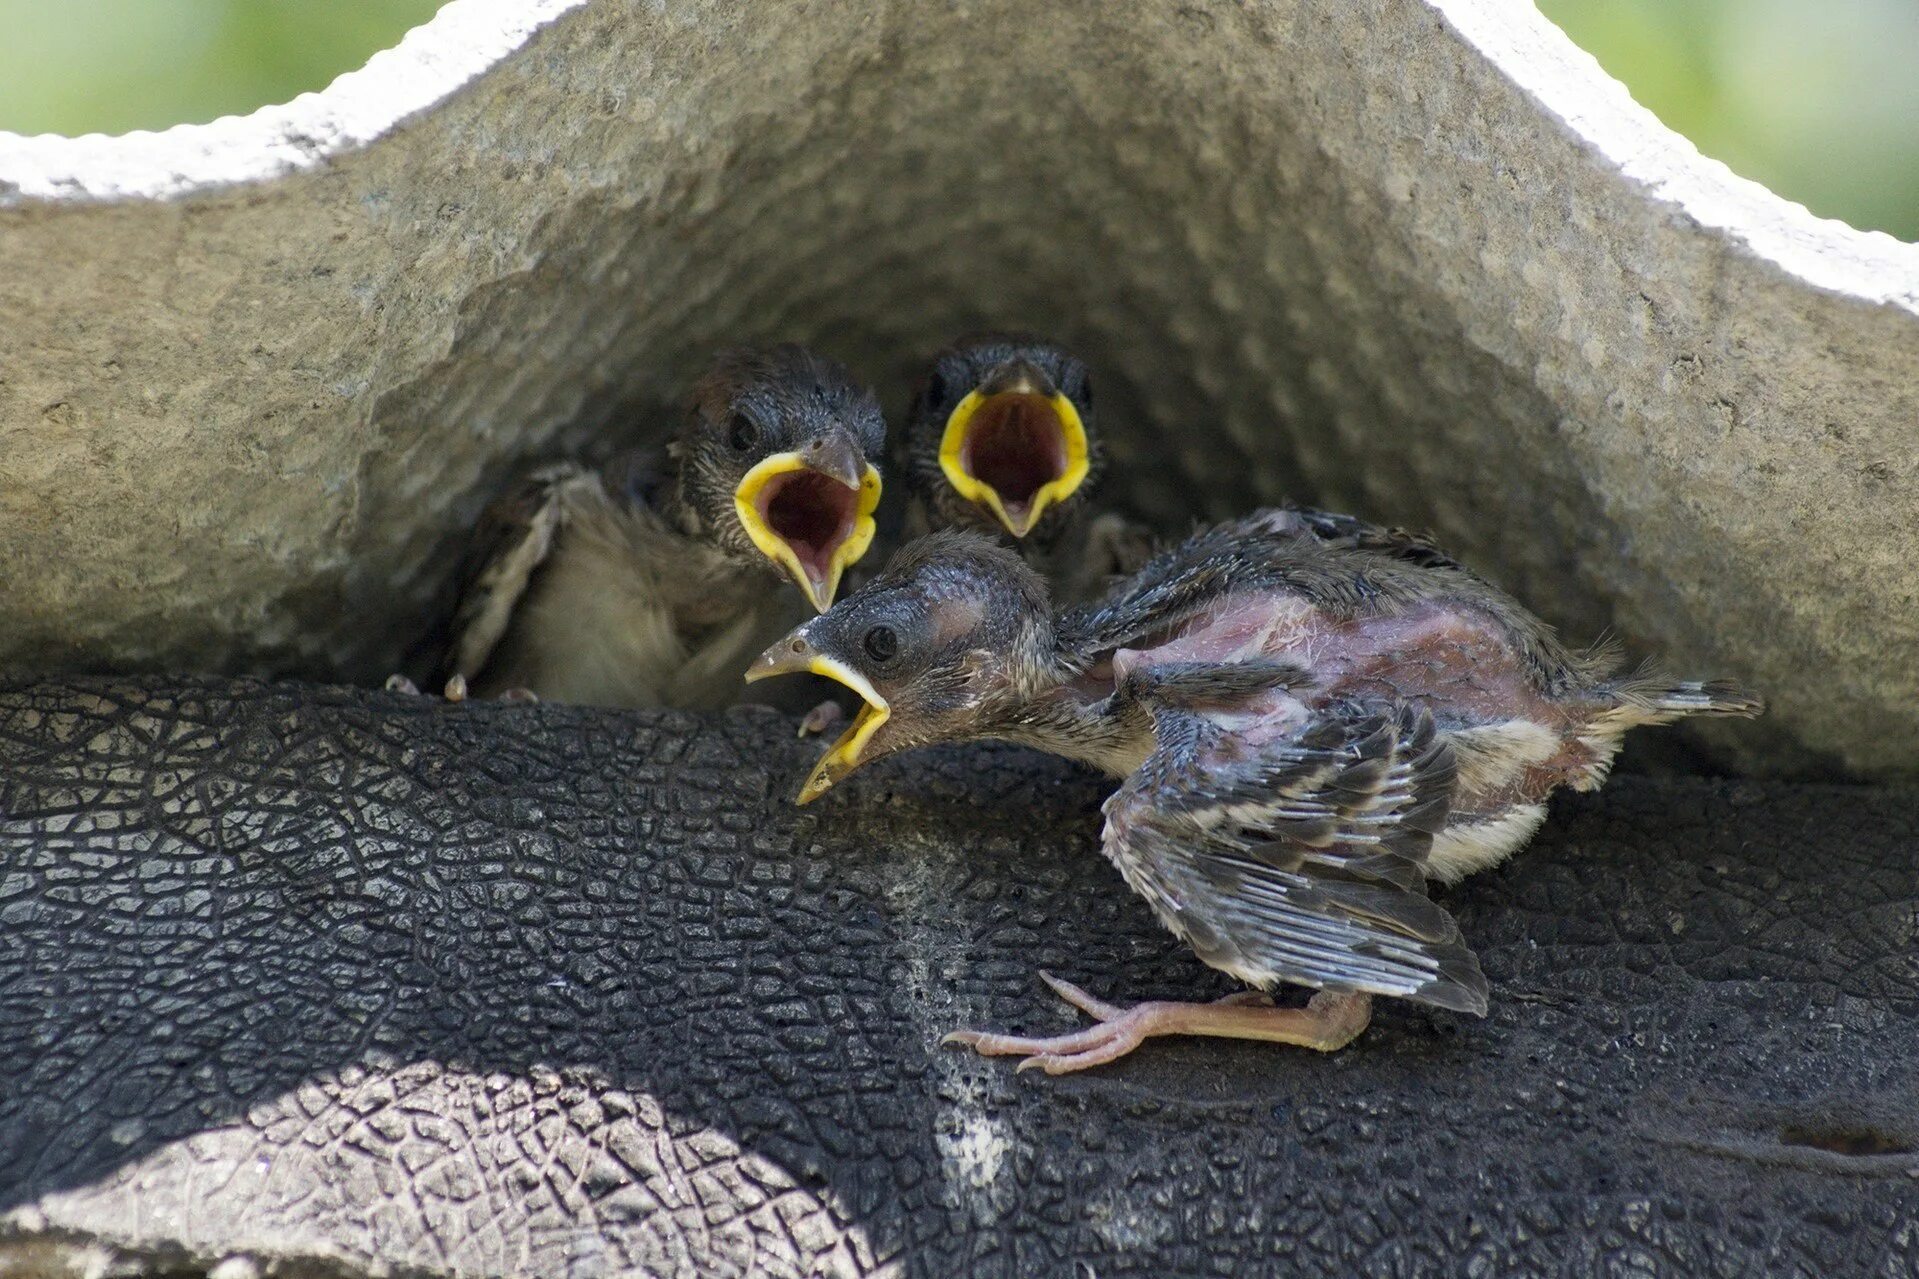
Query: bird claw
(455, 690)
(1060, 1054)
(822, 717)
(1329, 1021)
(1097, 1009)
(1116, 1031)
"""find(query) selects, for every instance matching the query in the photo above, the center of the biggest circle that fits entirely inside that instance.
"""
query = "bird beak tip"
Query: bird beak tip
(790, 656)
(822, 779)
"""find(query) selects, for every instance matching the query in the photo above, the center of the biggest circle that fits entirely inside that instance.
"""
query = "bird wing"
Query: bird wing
(1170, 586)
(1297, 857)
(1293, 549)
(514, 537)
(1350, 530)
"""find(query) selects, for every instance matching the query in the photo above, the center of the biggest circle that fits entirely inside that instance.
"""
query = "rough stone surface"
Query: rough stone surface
(307, 981)
(1422, 259)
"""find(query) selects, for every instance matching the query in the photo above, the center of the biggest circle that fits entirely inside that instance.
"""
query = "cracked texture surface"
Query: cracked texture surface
(346, 983)
(1422, 260)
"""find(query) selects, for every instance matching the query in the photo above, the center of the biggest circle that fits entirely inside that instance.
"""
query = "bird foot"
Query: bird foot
(822, 717)
(456, 690)
(1330, 1020)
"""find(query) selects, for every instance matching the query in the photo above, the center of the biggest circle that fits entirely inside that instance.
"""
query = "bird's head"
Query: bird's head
(1001, 434)
(777, 464)
(948, 643)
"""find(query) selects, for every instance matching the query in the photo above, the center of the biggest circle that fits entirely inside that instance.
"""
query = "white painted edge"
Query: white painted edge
(1543, 61)
(467, 37)
(461, 41)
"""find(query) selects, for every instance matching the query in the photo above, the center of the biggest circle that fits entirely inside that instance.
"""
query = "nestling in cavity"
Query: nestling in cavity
(1308, 731)
(652, 582)
(1002, 439)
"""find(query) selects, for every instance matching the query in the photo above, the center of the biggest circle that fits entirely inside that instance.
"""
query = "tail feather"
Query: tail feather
(1703, 697)
(1649, 698)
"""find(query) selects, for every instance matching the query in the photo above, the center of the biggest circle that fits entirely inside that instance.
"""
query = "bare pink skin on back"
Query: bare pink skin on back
(1451, 658)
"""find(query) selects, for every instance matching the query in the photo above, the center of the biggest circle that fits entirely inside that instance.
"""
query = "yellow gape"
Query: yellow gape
(1069, 464)
(794, 655)
(810, 523)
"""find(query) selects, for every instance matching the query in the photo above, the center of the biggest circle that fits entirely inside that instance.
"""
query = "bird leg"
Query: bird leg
(1330, 1020)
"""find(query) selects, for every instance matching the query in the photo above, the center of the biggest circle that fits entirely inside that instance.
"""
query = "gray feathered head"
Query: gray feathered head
(1001, 436)
(778, 461)
(951, 637)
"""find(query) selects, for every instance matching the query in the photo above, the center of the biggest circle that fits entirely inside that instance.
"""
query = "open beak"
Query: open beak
(811, 512)
(1015, 445)
(796, 655)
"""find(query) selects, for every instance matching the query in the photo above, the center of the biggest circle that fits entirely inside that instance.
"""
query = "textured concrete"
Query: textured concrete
(1417, 258)
(315, 982)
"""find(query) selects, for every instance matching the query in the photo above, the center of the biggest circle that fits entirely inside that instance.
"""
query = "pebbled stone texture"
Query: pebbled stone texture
(1419, 259)
(301, 980)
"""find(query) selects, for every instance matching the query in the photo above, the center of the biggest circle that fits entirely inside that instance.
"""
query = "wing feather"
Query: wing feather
(1302, 859)
(1349, 530)
(1279, 547)
(513, 539)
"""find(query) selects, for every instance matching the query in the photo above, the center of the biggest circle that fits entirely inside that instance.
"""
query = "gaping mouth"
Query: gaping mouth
(807, 522)
(1015, 452)
(794, 655)
(814, 515)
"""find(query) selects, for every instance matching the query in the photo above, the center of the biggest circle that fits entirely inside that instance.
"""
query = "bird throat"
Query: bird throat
(1015, 444)
(1014, 453)
(1065, 718)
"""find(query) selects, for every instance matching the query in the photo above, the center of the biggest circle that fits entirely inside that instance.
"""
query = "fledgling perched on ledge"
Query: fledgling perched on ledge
(1308, 732)
(1001, 439)
(653, 582)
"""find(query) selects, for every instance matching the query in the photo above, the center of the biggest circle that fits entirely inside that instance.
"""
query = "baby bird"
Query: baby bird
(651, 583)
(1001, 439)
(1308, 733)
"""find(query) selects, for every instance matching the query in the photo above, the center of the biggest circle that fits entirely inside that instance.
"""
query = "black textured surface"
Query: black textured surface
(1700, 1060)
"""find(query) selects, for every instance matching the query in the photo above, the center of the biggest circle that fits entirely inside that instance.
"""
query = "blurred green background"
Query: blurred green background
(1818, 99)
(107, 66)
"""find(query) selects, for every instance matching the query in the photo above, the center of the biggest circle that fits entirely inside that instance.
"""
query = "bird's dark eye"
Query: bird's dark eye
(881, 643)
(1086, 394)
(936, 389)
(741, 434)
